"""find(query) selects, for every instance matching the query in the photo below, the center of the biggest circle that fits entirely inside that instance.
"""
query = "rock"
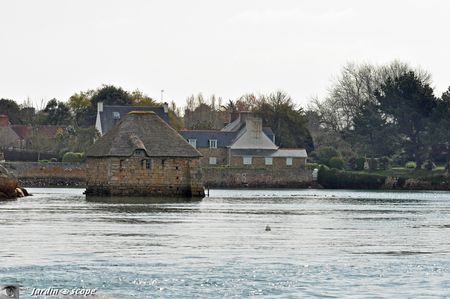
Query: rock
(9, 186)
(19, 192)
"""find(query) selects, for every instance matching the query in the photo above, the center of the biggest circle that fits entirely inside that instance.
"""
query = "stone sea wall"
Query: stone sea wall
(228, 177)
(34, 174)
(57, 174)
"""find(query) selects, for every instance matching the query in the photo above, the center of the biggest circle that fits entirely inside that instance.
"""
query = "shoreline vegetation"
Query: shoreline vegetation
(391, 179)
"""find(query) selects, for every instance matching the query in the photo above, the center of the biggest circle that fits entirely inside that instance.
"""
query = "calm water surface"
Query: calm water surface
(323, 244)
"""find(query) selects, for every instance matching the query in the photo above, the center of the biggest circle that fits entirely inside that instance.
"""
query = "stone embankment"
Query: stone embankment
(33, 174)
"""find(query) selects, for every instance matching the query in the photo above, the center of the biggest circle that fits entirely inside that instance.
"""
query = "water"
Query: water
(324, 244)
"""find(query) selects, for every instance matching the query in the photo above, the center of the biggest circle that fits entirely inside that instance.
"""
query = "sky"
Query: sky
(55, 48)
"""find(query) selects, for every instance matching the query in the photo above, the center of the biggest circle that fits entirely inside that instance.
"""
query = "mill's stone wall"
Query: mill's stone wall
(113, 176)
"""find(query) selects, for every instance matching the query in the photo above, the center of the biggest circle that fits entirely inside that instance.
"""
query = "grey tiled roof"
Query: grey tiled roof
(142, 130)
(107, 116)
(224, 138)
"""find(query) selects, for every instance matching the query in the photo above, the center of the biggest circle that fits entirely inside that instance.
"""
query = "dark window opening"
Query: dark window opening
(147, 164)
(139, 152)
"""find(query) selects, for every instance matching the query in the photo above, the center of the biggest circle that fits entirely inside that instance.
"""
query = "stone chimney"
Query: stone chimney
(4, 120)
(100, 107)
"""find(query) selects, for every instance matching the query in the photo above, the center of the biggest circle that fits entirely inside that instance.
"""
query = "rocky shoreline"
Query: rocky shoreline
(9, 186)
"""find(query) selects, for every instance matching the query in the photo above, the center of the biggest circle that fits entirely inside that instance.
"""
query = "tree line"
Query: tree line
(386, 111)
(370, 111)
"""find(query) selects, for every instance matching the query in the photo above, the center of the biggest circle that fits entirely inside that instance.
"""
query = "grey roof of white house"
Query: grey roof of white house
(224, 138)
(291, 153)
(107, 116)
(282, 153)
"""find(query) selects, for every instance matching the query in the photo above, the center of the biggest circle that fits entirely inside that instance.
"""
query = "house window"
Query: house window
(213, 143)
(247, 160)
(147, 164)
(116, 115)
(139, 153)
(268, 161)
(193, 142)
(289, 161)
(212, 160)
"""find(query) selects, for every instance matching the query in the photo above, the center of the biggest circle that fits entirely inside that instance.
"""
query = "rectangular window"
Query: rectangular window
(213, 143)
(212, 160)
(269, 161)
(289, 161)
(193, 142)
(147, 164)
(247, 160)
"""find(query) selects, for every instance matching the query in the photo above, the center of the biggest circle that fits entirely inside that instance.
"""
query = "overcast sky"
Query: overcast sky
(54, 48)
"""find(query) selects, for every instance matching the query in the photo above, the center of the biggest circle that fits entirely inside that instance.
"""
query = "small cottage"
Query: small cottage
(143, 156)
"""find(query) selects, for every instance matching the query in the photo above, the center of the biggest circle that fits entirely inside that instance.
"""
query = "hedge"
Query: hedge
(337, 179)
(73, 157)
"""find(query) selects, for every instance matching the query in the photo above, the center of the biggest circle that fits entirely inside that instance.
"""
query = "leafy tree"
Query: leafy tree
(408, 103)
(371, 134)
(441, 128)
(138, 98)
(324, 154)
(109, 95)
(10, 108)
(58, 113)
(288, 122)
(79, 104)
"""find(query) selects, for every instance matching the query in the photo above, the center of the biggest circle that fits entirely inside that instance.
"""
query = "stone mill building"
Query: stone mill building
(143, 156)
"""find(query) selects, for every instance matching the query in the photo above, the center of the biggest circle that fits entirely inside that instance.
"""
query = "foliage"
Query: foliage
(359, 163)
(336, 162)
(288, 122)
(337, 179)
(58, 113)
(410, 164)
(408, 103)
(138, 98)
(324, 154)
(73, 157)
(79, 104)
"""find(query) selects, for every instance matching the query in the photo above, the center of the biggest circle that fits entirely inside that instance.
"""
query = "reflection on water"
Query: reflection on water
(322, 244)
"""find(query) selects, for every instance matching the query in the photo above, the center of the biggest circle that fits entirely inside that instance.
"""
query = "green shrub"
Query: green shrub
(336, 162)
(73, 157)
(337, 179)
(359, 163)
(324, 154)
(312, 166)
(410, 164)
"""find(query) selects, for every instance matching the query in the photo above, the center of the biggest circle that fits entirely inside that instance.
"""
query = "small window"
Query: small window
(116, 115)
(193, 142)
(247, 160)
(212, 160)
(213, 143)
(139, 153)
(147, 163)
(289, 161)
(269, 161)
